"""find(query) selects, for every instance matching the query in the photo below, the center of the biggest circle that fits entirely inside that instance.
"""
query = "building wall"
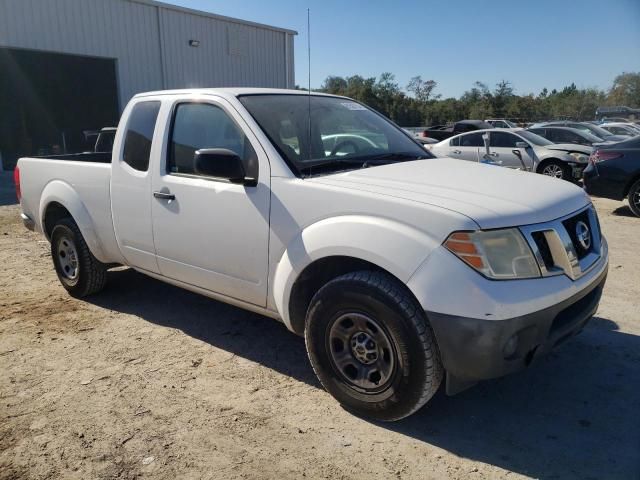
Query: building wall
(149, 40)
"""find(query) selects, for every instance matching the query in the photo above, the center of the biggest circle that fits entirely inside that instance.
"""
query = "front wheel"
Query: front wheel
(556, 170)
(80, 273)
(372, 347)
(634, 198)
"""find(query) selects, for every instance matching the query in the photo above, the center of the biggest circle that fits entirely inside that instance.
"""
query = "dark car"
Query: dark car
(567, 135)
(586, 126)
(614, 172)
(462, 126)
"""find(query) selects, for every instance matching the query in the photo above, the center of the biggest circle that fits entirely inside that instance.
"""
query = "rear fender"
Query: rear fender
(64, 194)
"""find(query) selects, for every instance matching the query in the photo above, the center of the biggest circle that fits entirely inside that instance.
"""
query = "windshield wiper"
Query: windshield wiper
(363, 161)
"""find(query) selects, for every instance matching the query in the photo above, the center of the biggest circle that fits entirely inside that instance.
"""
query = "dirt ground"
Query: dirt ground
(147, 380)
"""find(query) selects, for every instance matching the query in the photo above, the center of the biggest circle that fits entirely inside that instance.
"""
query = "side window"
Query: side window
(454, 142)
(502, 139)
(472, 140)
(538, 131)
(137, 141)
(201, 125)
(562, 136)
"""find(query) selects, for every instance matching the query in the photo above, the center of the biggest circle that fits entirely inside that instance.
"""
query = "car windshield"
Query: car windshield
(533, 138)
(343, 134)
(590, 136)
(594, 129)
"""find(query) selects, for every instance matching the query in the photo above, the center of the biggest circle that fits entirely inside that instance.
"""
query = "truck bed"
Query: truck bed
(84, 181)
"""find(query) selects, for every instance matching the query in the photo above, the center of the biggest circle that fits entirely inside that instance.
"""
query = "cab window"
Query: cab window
(139, 135)
(202, 125)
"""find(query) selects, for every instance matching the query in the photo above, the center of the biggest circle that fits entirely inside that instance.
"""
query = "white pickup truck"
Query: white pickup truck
(398, 268)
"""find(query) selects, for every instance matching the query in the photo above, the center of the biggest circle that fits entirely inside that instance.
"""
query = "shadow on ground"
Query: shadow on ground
(624, 211)
(575, 414)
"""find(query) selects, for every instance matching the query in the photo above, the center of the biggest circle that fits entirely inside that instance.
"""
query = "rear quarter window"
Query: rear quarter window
(139, 135)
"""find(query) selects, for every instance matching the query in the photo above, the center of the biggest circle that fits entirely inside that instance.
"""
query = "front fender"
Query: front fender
(391, 245)
(64, 194)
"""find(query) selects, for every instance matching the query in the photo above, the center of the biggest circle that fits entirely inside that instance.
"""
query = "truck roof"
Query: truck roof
(233, 92)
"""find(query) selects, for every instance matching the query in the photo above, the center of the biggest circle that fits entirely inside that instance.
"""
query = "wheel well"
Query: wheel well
(546, 161)
(54, 212)
(314, 276)
(631, 182)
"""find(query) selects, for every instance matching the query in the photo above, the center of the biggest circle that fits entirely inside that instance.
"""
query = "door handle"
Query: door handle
(457, 152)
(164, 195)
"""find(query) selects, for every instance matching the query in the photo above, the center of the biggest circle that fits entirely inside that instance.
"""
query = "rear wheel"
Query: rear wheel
(80, 273)
(371, 346)
(634, 198)
(556, 169)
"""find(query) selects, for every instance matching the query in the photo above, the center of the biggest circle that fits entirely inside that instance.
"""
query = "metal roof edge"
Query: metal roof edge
(200, 13)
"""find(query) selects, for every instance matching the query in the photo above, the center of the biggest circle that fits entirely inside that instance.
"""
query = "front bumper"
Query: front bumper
(476, 349)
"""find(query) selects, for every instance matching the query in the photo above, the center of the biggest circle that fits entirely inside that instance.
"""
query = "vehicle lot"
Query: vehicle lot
(149, 380)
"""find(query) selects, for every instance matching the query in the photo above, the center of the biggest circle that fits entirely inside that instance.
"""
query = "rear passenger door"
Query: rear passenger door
(471, 147)
(131, 185)
(210, 232)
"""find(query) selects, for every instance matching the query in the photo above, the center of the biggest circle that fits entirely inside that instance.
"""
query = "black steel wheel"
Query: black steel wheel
(371, 346)
(79, 272)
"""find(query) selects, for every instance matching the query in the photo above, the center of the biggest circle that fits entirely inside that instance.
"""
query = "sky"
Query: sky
(532, 44)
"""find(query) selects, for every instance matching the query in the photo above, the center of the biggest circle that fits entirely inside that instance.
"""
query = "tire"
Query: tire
(634, 198)
(556, 169)
(80, 273)
(403, 353)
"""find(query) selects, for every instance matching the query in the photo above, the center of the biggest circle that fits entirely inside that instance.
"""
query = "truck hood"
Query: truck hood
(493, 197)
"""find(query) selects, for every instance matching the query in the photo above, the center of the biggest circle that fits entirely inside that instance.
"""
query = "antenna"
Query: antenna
(309, 78)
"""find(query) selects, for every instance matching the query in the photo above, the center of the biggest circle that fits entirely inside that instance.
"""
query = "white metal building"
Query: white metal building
(69, 64)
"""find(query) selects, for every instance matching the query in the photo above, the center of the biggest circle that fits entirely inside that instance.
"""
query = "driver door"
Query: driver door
(210, 232)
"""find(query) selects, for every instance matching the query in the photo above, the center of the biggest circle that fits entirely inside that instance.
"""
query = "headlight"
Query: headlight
(497, 254)
(580, 157)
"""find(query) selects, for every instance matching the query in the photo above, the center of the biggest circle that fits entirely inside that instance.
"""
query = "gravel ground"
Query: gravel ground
(147, 380)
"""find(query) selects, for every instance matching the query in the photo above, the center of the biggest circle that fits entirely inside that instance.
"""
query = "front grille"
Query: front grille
(570, 224)
(557, 248)
(543, 247)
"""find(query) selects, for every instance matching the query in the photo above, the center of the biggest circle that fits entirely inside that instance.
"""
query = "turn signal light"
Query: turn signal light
(462, 245)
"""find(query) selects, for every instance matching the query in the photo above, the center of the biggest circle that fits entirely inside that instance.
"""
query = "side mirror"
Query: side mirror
(220, 163)
(522, 145)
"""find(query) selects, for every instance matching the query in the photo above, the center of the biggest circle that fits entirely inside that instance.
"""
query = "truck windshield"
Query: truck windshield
(343, 134)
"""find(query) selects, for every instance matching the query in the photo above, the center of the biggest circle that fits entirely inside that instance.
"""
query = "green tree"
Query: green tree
(625, 90)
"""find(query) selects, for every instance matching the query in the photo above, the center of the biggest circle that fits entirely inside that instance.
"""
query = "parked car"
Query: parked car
(501, 123)
(566, 135)
(586, 126)
(519, 149)
(612, 119)
(621, 129)
(458, 127)
(370, 254)
(614, 172)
